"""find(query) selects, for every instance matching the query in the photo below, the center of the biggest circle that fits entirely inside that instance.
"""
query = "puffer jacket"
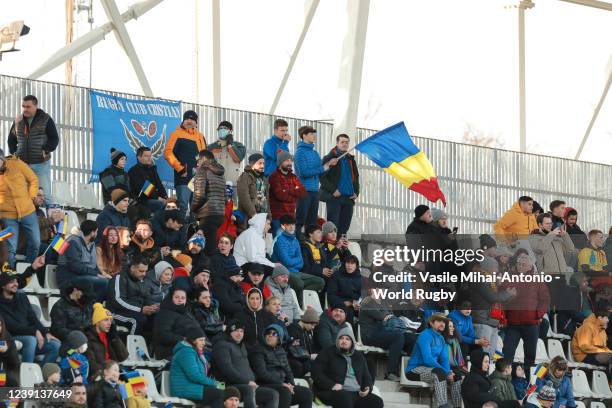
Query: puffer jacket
(253, 193)
(308, 166)
(430, 350)
(231, 361)
(208, 318)
(551, 251)
(250, 246)
(170, 327)
(18, 186)
(288, 304)
(589, 338)
(285, 190)
(107, 395)
(67, 315)
(32, 143)
(110, 216)
(270, 364)
(326, 332)
(188, 374)
(514, 221)
(343, 286)
(287, 251)
(502, 386)
(127, 293)
(209, 190)
(230, 296)
(305, 338)
(180, 152)
(113, 177)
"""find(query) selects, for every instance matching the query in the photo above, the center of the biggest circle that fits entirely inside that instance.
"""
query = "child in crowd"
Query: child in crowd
(74, 363)
(519, 381)
(501, 380)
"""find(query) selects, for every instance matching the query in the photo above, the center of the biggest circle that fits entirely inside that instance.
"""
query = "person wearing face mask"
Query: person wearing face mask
(74, 363)
(171, 323)
(181, 151)
(228, 152)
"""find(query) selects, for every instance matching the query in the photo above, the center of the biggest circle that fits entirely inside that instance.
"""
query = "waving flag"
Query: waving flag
(59, 244)
(541, 371)
(6, 234)
(394, 151)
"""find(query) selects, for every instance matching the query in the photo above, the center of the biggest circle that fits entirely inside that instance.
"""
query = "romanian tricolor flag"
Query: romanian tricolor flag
(147, 188)
(394, 151)
(62, 227)
(59, 244)
(74, 363)
(6, 234)
(2, 379)
(541, 371)
(134, 382)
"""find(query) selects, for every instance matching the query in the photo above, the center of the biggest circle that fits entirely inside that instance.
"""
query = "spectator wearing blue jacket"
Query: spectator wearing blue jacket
(287, 252)
(189, 371)
(462, 317)
(556, 373)
(74, 364)
(277, 142)
(308, 168)
(429, 363)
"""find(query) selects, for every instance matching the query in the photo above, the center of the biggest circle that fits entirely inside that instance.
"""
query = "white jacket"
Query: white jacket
(250, 246)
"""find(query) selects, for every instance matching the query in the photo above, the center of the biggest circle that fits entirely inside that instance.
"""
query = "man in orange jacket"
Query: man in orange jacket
(517, 222)
(589, 344)
(181, 151)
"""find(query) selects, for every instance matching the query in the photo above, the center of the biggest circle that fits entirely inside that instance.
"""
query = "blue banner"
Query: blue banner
(127, 124)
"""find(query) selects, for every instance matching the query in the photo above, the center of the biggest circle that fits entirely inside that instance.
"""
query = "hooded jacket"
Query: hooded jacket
(502, 386)
(254, 320)
(551, 251)
(33, 142)
(270, 364)
(308, 166)
(110, 216)
(343, 286)
(430, 350)
(305, 338)
(188, 376)
(464, 326)
(18, 186)
(288, 304)
(157, 290)
(96, 350)
(250, 246)
(330, 366)
(181, 150)
(230, 296)
(285, 190)
(563, 387)
(514, 221)
(208, 190)
(170, 326)
(327, 331)
(253, 193)
(589, 338)
(208, 318)
(476, 386)
(287, 251)
(530, 304)
(231, 361)
(78, 260)
(247, 284)
(68, 315)
(113, 177)
(138, 175)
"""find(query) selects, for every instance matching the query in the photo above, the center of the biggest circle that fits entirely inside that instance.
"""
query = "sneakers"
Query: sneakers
(392, 377)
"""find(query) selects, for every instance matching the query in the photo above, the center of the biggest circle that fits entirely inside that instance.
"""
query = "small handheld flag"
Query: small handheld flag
(6, 234)
(74, 363)
(147, 188)
(498, 355)
(2, 379)
(393, 150)
(59, 245)
(62, 227)
(541, 372)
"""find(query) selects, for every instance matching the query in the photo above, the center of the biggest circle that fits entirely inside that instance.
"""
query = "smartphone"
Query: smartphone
(343, 236)
(455, 230)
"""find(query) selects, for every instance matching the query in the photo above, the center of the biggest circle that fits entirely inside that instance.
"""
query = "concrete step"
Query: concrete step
(387, 386)
(396, 397)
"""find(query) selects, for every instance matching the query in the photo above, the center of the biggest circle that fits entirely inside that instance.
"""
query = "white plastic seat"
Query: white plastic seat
(405, 382)
(302, 382)
(519, 354)
(541, 353)
(152, 391)
(311, 298)
(371, 247)
(356, 229)
(165, 388)
(73, 221)
(35, 303)
(552, 334)
(295, 299)
(580, 404)
(570, 358)
(600, 385)
(87, 197)
(92, 216)
(62, 193)
(33, 285)
(30, 374)
(594, 404)
(581, 385)
(51, 280)
(555, 348)
(355, 250)
(138, 353)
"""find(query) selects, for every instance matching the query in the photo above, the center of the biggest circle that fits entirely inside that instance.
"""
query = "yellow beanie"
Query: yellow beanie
(183, 259)
(100, 313)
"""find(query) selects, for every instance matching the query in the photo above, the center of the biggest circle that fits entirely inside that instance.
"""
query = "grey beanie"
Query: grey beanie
(310, 316)
(437, 214)
(76, 339)
(279, 270)
(328, 227)
(282, 156)
(49, 369)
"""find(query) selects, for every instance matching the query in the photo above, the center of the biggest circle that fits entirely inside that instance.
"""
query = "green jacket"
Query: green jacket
(501, 386)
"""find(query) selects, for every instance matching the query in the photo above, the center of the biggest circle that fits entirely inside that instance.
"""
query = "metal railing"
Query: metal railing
(479, 183)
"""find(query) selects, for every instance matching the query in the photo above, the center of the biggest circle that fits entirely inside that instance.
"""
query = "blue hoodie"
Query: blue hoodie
(308, 166)
(287, 252)
(464, 326)
(188, 376)
(430, 350)
(270, 150)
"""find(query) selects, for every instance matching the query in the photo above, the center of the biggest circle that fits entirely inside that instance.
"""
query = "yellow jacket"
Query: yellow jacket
(18, 186)
(589, 338)
(138, 402)
(514, 221)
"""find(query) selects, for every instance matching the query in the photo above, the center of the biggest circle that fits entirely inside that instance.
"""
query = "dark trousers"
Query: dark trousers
(213, 398)
(340, 212)
(395, 342)
(299, 368)
(306, 212)
(346, 399)
(302, 396)
(209, 226)
(263, 397)
(135, 322)
(529, 333)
